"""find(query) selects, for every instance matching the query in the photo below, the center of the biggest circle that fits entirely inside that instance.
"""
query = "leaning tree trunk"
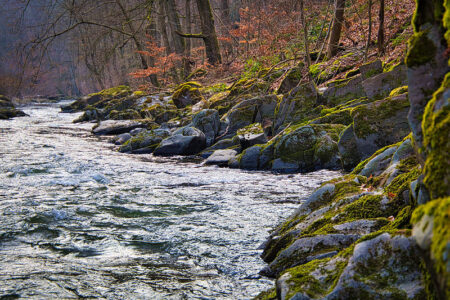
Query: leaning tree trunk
(209, 32)
(335, 35)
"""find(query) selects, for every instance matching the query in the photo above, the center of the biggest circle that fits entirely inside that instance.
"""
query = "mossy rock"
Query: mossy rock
(312, 146)
(186, 94)
(432, 232)
(381, 266)
(345, 90)
(249, 86)
(292, 79)
(296, 107)
(9, 113)
(436, 142)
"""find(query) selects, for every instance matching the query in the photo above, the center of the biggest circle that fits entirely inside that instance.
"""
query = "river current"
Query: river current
(80, 220)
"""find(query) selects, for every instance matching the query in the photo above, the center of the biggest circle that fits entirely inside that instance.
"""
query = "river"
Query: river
(80, 220)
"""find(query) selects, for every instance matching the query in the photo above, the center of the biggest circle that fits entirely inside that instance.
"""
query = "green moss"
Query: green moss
(302, 280)
(436, 142)
(399, 91)
(352, 73)
(421, 50)
(439, 209)
(118, 91)
(403, 181)
(267, 295)
(251, 129)
(367, 118)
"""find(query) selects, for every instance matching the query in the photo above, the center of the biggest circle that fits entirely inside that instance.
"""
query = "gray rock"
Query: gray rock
(208, 122)
(304, 249)
(247, 112)
(350, 156)
(145, 142)
(296, 106)
(249, 140)
(113, 127)
(345, 91)
(404, 151)
(371, 69)
(250, 158)
(379, 163)
(184, 141)
(122, 138)
(382, 268)
(280, 166)
(380, 86)
(233, 144)
(266, 157)
(221, 157)
(136, 131)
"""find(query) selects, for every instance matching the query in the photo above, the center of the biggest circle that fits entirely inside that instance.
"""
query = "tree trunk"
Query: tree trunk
(161, 22)
(188, 26)
(335, 35)
(381, 29)
(209, 32)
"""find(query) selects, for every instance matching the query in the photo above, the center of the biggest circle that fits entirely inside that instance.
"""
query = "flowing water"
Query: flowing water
(80, 220)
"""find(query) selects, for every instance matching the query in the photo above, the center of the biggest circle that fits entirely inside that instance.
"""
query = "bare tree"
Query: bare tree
(336, 29)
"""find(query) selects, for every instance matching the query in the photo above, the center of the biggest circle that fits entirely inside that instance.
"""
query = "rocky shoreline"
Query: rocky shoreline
(381, 231)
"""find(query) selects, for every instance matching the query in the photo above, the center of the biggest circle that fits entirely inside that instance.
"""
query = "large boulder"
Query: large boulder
(185, 141)
(7, 109)
(381, 85)
(344, 90)
(296, 106)
(114, 127)
(221, 157)
(208, 122)
(311, 147)
(375, 125)
(387, 266)
(255, 110)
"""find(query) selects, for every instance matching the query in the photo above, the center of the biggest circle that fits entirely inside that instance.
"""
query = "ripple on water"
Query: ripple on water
(81, 220)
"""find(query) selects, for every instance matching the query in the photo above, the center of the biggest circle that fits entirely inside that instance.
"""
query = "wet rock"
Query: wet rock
(185, 141)
(145, 141)
(249, 158)
(113, 127)
(280, 166)
(208, 122)
(7, 109)
(221, 157)
(122, 138)
(266, 157)
(221, 145)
